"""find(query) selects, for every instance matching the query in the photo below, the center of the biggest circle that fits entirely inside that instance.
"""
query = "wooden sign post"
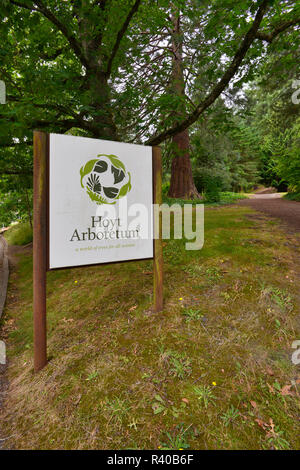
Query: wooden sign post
(158, 251)
(41, 239)
(40, 148)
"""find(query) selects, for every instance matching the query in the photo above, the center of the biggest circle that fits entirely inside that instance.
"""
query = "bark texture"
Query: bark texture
(182, 182)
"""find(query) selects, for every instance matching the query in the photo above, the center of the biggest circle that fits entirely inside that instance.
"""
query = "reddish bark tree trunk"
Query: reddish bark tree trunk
(182, 182)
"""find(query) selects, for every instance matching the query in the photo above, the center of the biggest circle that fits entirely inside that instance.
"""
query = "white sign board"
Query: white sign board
(100, 201)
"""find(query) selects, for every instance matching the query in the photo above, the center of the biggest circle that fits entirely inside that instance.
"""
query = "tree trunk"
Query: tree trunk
(103, 121)
(182, 182)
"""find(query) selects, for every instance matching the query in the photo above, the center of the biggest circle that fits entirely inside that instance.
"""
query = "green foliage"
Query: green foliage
(82, 73)
(209, 185)
(15, 205)
(224, 153)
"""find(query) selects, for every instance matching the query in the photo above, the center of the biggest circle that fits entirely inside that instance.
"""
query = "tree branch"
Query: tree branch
(57, 53)
(120, 35)
(269, 37)
(221, 85)
(62, 27)
(23, 5)
(75, 46)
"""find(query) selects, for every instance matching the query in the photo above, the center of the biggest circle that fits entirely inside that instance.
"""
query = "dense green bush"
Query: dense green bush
(165, 188)
(209, 185)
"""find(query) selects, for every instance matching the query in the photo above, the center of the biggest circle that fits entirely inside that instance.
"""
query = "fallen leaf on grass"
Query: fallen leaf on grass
(286, 390)
(77, 401)
(260, 423)
(185, 400)
(132, 308)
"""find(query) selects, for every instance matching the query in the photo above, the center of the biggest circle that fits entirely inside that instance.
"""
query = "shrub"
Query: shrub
(210, 185)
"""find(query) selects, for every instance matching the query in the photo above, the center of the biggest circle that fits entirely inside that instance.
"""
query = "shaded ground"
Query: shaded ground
(8, 255)
(275, 206)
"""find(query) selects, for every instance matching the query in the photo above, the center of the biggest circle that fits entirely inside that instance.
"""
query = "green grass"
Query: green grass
(212, 371)
(292, 196)
(225, 198)
(19, 234)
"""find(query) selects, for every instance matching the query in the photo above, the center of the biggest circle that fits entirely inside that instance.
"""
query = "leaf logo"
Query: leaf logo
(105, 179)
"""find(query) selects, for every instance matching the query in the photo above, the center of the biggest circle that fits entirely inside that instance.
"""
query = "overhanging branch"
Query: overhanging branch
(41, 8)
(269, 37)
(221, 85)
(120, 35)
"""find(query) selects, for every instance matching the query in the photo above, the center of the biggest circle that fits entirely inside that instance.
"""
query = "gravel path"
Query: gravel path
(275, 206)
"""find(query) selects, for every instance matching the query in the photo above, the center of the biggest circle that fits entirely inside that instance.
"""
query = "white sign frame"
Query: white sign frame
(64, 151)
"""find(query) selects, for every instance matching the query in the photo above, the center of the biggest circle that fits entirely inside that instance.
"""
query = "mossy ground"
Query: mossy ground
(212, 371)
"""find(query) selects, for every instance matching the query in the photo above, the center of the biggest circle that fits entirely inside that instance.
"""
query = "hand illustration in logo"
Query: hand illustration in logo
(105, 179)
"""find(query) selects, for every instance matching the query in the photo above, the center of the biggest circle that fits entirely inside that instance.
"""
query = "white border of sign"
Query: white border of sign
(77, 236)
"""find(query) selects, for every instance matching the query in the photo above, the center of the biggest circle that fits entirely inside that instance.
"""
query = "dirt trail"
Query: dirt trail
(275, 206)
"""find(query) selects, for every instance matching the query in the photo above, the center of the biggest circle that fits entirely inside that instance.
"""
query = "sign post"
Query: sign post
(158, 252)
(40, 249)
(79, 183)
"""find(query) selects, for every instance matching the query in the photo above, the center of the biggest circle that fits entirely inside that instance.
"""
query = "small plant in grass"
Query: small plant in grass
(230, 415)
(279, 297)
(213, 274)
(158, 405)
(204, 394)
(117, 408)
(178, 439)
(225, 295)
(275, 440)
(92, 376)
(180, 365)
(193, 271)
(191, 314)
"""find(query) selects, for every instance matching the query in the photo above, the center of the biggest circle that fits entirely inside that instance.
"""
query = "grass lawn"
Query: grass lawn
(212, 371)
(225, 198)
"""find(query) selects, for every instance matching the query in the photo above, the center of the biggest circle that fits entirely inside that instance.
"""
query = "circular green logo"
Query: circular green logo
(105, 179)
